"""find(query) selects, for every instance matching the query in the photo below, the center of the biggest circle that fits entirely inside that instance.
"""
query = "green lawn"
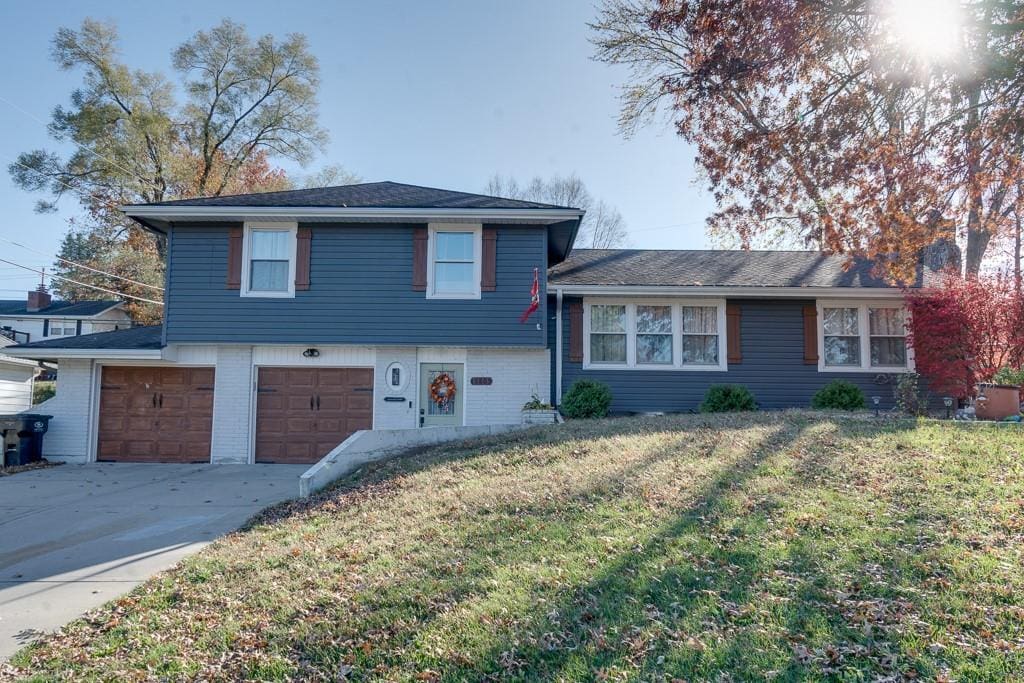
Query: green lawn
(754, 547)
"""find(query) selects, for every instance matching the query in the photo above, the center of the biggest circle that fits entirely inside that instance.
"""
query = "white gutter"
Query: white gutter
(733, 292)
(4, 358)
(99, 354)
(32, 315)
(179, 212)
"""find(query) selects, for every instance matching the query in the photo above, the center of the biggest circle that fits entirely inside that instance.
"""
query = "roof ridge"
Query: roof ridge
(256, 194)
(378, 183)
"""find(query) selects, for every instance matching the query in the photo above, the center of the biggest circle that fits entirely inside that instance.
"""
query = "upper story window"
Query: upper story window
(61, 328)
(863, 337)
(268, 260)
(655, 335)
(454, 258)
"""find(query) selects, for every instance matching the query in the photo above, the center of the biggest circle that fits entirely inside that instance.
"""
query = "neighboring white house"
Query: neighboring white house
(16, 377)
(38, 317)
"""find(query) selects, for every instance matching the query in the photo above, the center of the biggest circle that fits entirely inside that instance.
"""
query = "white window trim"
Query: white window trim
(864, 331)
(477, 230)
(677, 334)
(293, 230)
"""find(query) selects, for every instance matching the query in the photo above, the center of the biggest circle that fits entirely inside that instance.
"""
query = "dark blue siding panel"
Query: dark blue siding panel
(360, 293)
(773, 368)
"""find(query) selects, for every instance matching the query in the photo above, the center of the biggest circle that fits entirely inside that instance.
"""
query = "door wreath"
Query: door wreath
(442, 389)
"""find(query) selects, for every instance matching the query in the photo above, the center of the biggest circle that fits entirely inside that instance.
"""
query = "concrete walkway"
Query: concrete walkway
(75, 536)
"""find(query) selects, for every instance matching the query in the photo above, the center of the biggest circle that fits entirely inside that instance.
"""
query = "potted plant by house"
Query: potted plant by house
(536, 411)
(1000, 398)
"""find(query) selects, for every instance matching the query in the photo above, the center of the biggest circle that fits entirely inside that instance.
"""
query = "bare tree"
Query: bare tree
(603, 226)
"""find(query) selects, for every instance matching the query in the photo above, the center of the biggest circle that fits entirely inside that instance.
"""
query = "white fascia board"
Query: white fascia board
(99, 354)
(11, 360)
(730, 292)
(63, 316)
(172, 213)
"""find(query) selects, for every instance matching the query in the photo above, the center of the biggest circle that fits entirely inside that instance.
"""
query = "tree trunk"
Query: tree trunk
(978, 235)
(1017, 282)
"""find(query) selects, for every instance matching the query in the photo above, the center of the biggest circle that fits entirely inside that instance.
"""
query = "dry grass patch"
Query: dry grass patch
(780, 547)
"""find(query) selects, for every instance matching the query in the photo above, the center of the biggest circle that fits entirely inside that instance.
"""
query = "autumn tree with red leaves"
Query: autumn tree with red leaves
(825, 119)
(964, 330)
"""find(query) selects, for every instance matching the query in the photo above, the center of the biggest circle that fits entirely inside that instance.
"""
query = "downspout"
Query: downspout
(558, 346)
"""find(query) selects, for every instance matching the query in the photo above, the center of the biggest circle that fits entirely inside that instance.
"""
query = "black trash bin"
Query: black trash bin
(23, 437)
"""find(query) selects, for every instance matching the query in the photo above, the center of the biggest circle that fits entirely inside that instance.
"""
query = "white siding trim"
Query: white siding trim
(440, 354)
(330, 356)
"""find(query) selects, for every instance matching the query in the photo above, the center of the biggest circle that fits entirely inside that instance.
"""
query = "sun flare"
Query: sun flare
(926, 29)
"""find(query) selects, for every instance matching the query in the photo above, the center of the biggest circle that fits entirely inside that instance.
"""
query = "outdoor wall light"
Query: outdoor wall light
(311, 353)
(948, 402)
(876, 400)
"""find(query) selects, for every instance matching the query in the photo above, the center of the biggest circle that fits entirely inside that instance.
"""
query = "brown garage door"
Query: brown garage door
(151, 414)
(303, 413)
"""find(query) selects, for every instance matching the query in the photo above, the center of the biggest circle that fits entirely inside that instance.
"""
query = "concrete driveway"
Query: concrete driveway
(74, 536)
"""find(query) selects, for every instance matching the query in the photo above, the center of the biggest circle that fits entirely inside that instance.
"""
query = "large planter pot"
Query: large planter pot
(545, 416)
(997, 401)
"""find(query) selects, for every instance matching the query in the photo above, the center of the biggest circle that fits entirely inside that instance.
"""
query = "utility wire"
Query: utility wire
(78, 144)
(82, 284)
(80, 265)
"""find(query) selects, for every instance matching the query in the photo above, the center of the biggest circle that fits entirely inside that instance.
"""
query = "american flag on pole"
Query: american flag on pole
(534, 298)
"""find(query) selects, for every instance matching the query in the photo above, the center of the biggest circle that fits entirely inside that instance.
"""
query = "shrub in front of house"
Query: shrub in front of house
(587, 398)
(43, 391)
(728, 398)
(839, 395)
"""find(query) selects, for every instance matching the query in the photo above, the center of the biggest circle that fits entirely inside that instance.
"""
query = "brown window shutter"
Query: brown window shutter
(419, 260)
(234, 280)
(576, 331)
(732, 318)
(302, 253)
(489, 265)
(811, 335)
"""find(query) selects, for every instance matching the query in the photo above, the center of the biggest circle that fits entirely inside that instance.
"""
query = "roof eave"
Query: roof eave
(735, 292)
(100, 354)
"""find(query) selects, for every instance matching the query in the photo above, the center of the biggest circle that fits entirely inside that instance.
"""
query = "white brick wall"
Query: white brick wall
(232, 405)
(392, 415)
(517, 375)
(71, 429)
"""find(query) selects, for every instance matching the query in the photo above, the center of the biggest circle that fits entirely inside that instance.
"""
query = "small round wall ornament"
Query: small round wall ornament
(442, 389)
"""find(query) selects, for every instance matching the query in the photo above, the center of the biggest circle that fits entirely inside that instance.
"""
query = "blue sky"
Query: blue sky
(439, 93)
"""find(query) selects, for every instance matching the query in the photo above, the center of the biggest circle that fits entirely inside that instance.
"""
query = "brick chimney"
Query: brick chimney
(38, 299)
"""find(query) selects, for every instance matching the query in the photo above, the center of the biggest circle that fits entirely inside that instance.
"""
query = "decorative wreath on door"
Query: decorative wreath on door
(442, 389)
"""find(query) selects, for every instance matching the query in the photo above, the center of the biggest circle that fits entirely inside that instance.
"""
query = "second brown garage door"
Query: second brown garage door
(303, 413)
(155, 414)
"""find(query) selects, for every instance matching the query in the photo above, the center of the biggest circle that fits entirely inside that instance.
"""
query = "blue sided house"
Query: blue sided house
(293, 319)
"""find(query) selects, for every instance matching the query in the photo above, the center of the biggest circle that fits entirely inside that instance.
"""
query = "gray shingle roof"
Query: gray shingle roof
(148, 337)
(686, 268)
(384, 195)
(83, 309)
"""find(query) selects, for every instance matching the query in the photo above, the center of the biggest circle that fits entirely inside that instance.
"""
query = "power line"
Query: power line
(80, 265)
(82, 284)
(78, 144)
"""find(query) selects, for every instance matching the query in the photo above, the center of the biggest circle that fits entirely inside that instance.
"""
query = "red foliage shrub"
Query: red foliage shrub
(965, 330)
